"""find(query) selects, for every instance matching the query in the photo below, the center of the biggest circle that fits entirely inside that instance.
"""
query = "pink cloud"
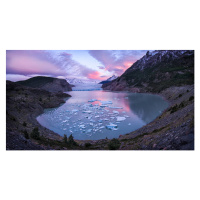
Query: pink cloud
(25, 64)
(96, 75)
(116, 61)
(50, 63)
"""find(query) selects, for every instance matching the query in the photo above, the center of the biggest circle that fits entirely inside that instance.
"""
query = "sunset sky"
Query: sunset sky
(81, 64)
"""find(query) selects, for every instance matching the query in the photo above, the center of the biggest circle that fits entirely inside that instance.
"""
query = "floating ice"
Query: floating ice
(106, 102)
(129, 124)
(115, 112)
(111, 126)
(74, 110)
(87, 111)
(119, 119)
(104, 105)
(116, 107)
(82, 126)
(92, 100)
(89, 130)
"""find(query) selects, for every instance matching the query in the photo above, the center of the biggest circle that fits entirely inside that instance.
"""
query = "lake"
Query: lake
(93, 115)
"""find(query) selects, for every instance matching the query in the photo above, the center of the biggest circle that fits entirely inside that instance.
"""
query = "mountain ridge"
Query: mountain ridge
(50, 84)
(109, 79)
(156, 71)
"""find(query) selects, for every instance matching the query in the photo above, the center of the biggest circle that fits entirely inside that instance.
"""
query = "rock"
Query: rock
(154, 145)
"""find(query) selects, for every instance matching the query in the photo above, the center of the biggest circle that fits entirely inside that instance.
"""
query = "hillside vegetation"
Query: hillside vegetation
(154, 73)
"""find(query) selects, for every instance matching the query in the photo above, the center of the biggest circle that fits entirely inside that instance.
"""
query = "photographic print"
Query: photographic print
(100, 100)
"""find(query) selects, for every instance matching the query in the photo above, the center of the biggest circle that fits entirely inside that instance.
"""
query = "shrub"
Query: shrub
(174, 109)
(65, 139)
(26, 134)
(181, 105)
(35, 134)
(180, 95)
(24, 124)
(114, 144)
(87, 145)
(71, 140)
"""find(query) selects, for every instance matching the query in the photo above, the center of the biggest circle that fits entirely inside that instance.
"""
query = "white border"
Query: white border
(136, 25)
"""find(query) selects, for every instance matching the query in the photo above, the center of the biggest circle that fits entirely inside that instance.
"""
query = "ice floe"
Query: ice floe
(106, 102)
(111, 126)
(87, 111)
(119, 119)
(92, 100)
(115, 107)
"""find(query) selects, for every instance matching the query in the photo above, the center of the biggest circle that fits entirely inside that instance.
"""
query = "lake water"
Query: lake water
(93, 115)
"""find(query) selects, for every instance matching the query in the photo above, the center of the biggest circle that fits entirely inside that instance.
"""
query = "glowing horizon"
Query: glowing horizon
(81, 64)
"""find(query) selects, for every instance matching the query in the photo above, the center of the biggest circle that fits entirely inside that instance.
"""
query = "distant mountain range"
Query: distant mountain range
(75, 81)
(109, 79)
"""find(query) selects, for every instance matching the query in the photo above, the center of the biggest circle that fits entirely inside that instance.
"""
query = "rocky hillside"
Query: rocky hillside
(173, 130)
(171, 75)
(156, 71)
(23, 105)
(47, 83)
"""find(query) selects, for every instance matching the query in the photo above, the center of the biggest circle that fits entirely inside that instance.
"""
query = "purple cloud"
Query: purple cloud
(29, 62)
(117, 61)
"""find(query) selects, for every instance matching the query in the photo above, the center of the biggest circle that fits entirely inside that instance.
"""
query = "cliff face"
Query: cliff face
(156, 71)
(47, 83)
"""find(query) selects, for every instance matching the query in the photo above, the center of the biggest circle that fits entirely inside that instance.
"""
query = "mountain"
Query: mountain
(47, 83)
(84, 85)
(109, 79)
(23, 105)
(156, 71)
(75, 81)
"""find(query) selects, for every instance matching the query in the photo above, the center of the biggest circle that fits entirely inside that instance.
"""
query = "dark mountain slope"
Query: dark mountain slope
(47, 83)
(157, 71)
(23, 105)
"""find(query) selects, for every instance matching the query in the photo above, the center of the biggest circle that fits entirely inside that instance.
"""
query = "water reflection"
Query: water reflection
(124, 111)
(146, 106)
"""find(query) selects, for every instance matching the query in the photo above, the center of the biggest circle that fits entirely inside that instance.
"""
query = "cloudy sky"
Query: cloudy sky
(80, 64)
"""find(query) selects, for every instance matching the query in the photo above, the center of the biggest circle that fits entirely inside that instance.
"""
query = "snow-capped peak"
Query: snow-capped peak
(112, 78)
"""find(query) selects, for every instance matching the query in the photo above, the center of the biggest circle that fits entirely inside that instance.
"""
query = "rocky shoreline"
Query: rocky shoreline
(173, 130)
(23, 105)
